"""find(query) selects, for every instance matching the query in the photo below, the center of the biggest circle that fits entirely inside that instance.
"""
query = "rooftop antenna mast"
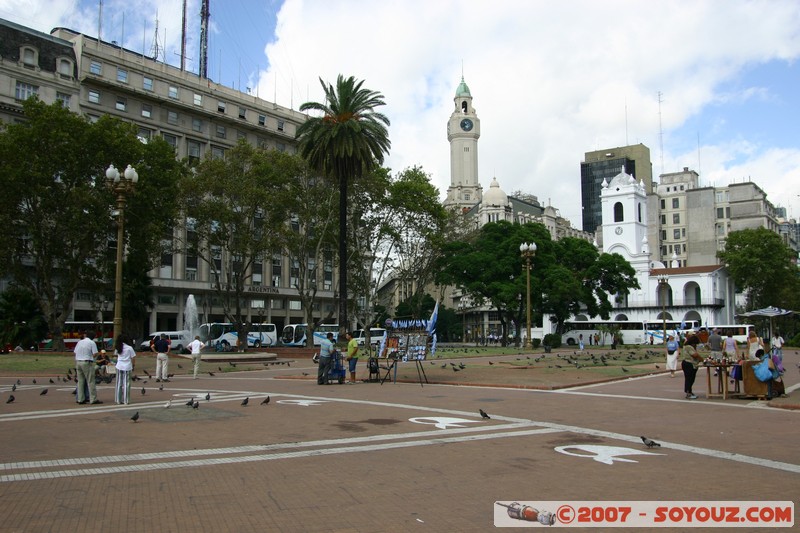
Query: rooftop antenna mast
(155, 50)
(100, 21)
(660, 130)
(183, 38)
(205, 13)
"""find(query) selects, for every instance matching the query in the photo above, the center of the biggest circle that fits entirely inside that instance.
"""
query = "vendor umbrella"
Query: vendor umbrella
(768, 312)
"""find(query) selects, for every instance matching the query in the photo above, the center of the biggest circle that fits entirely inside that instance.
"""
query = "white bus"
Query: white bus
(632, 331)
(295, 334)
(739, 332)
(655, 328)
(220, 335)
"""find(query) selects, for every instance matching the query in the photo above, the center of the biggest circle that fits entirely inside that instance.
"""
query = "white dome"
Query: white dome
(495, 195)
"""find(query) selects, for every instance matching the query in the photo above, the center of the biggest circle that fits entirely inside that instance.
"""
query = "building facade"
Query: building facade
(195, 115)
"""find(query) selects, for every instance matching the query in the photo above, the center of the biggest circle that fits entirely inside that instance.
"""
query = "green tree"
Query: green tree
(346, 140)
(762, 266)
(567, 276)
(21, 320)
(58, 230)
(236, 212)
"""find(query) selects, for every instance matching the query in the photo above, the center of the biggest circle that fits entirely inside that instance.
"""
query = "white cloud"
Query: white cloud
(550, 81)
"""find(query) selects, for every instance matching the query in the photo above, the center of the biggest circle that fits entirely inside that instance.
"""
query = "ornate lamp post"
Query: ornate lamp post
(121, 185)
(663, 291)
(528, 250)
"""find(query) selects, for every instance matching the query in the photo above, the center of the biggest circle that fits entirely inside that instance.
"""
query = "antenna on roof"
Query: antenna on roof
(205, 13)
(660, 130)
(155, 49)
(100, 22)
(183, 38)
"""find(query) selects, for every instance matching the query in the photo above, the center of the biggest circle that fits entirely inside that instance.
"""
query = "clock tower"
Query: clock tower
(463, 131)
(624, 208)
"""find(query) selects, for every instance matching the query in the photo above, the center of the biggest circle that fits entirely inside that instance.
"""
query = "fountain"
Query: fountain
(191, 321)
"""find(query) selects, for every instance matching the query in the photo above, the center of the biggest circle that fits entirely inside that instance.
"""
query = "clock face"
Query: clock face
(618, 231)
(466, 124)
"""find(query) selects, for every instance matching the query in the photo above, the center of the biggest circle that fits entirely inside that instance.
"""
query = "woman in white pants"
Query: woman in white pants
(125, 355)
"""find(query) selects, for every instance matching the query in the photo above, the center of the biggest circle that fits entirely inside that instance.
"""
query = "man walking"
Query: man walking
(161, 347)
(352, 356)
(85, 351)
(326, 349)
(195, 346)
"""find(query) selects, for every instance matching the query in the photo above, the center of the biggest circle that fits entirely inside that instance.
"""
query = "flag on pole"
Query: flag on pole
(432, 321)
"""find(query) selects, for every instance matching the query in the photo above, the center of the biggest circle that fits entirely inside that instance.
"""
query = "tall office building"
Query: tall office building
(604, 165)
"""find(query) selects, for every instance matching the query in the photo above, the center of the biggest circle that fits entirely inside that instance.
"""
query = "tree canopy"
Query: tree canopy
(763, 266)
(58, 229)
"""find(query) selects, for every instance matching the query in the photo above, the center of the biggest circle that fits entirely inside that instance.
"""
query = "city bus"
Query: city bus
(655, 328)
(220, 335)
(295, 334)
(71, 332)
(632, 331)
(739, 332)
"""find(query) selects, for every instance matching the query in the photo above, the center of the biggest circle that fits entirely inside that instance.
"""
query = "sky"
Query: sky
(711, 85)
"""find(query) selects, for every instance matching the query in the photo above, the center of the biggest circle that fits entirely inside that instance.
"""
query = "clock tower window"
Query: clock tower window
(618, 212)
(464, 106)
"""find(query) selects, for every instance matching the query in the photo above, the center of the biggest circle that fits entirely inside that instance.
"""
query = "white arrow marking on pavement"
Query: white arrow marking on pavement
(603, 454)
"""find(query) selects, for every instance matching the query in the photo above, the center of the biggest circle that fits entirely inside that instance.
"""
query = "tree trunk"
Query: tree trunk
(343, 325)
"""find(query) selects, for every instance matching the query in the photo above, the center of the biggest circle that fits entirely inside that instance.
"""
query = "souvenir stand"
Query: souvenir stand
(407, 340)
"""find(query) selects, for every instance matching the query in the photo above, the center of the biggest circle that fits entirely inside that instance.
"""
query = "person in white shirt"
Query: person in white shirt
(195, 347)
(125, 355)
(85, 352)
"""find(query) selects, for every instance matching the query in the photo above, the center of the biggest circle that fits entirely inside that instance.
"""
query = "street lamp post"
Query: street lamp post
(528, 250)
(663, 289)
(122, 185)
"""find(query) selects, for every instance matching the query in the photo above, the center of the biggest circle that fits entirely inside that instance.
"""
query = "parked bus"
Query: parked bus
(295, 334)
(71, 332)
(655, 328)
(739, 331)
(221, 335)
(632, 331)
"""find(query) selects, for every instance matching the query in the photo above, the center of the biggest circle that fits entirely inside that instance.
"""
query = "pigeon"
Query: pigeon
(34, 381)
(51, 380)
(444, 365)
(195, 405)
(491, 363)
(245, 402)
(649, 443)
(19, 382)
(44, 391)
(658, 366)
(180, 366)
(144, 391)
(456, 369)
(218, 368)
(13, 387)
(265, 401)
(625, 369)
(211, 374)
(146, 373)
(168, 404)
(161, 387)
(135, 416)
(306, 373)
(190, 403)
(208, 396)
(10, 399)
(232, 364)
(483, 414)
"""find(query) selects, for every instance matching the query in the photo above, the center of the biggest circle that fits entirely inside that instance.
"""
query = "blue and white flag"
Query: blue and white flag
(432, 321)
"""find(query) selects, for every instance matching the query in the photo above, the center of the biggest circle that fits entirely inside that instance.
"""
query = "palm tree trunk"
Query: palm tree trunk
(343, 325)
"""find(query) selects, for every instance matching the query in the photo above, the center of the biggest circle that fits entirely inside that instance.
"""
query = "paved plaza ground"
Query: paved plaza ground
(371, 457)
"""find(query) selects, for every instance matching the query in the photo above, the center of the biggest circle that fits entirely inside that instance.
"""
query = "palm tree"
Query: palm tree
(347, 140)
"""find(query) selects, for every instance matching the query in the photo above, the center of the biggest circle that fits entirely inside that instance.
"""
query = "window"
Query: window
(29, 58)
(663, 235)
(191, 274)
(262, 120)
(720, 212)
(466, 196)
(676, 234)
(676, 218)
(144, 134)
(217, 152)
(24, 91)
(663, 204)
(281, 147)
(147, 83)
(241, 135)
(681, 187)
(276, 304)
(172, 117)
(618, 212)
(257, 304)
(720, 229)
(197, 124)
(220, 106)
(221, 133)
(63, 98)
(65, 68)
(172, 92)
(727, 212)
(172, 140)
(147, 110)
(675, 203)
(122, 104)
(683, 233)
(276, 270)
(242, 113)
(96, 68)
(193, 151)
(281, 125)
(294, 305)
(122, 75)
(94, 96)
(198, 99)
(663, 220)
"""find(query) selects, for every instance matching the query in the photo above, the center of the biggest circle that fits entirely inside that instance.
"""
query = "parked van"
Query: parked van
(179, 340)
(375, 336)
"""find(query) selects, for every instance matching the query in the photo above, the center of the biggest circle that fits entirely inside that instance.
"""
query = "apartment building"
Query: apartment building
(193, 114)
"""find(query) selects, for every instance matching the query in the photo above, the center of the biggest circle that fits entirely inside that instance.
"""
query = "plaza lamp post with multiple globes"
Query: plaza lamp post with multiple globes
(122, 185)
(528, 250)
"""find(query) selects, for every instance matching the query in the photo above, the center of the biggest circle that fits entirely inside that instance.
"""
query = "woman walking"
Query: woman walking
(691, 360)
(125, 355)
